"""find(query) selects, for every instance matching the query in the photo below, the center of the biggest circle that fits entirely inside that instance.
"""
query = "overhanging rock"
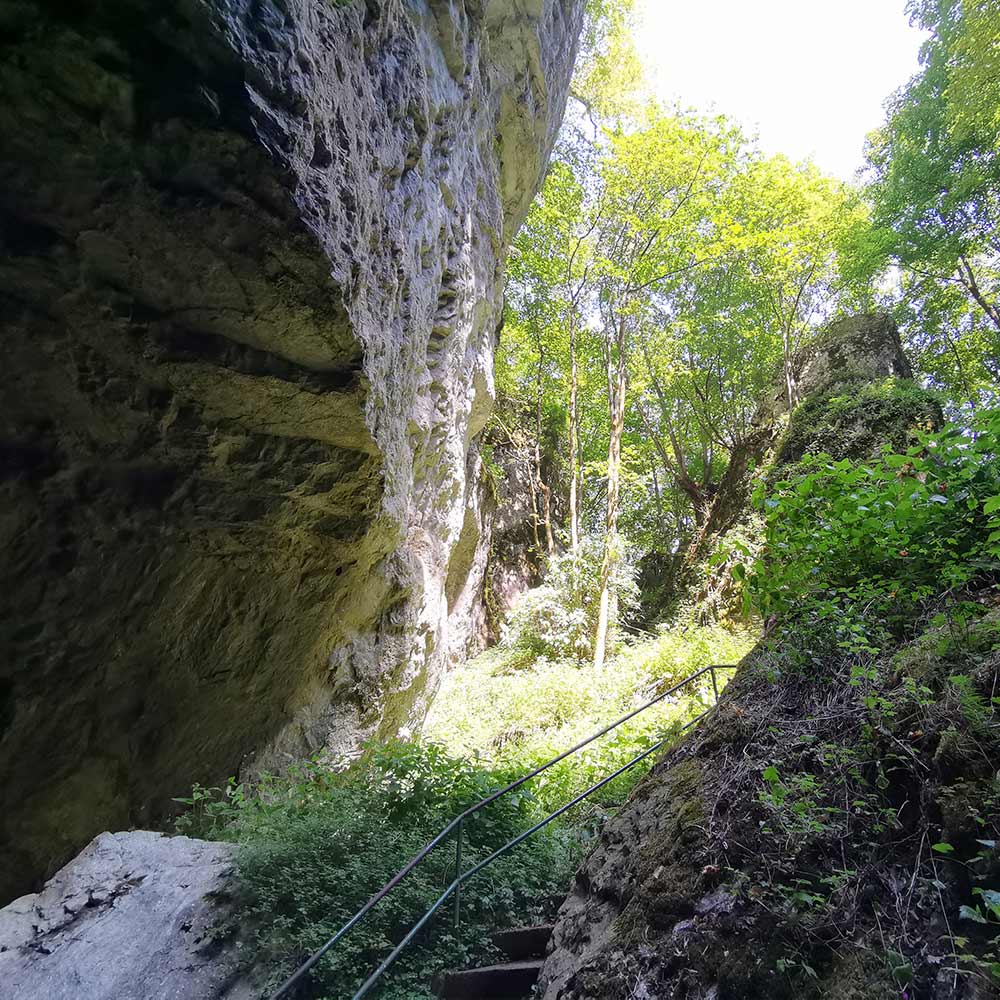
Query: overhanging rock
(251, 272)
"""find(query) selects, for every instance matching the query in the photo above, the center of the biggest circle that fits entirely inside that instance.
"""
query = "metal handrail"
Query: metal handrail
(457, 822)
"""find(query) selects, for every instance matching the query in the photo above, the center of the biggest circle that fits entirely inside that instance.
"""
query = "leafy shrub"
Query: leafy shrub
(858, 547)
(315, 846)
(521, 718)
(559, 619)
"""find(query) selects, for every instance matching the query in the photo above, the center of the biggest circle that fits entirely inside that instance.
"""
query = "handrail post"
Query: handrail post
(715, 685)
(458, 874)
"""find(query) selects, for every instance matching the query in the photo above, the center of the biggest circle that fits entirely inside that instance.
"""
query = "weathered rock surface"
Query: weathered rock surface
(137, 916)
(251, 277)
(865, 346)
(510, 553)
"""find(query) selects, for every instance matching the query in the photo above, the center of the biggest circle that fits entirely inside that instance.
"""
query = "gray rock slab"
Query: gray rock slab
(135, 916)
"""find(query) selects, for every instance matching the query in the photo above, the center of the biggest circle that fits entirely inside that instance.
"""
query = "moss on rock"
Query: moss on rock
(856, 418)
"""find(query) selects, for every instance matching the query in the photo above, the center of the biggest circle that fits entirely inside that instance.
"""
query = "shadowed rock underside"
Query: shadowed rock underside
(251, 277)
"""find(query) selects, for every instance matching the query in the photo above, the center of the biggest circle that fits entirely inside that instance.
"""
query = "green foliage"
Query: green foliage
(676, 243)
(948, 342)
(498, 710)
(856, 418)
(794, 806)
(969, 30)
(877, 778)
(934, 194)
(559, 619)
(316, 845)
(210, 811)
(934, 186)
(934, 182)
(856, 548)
(608, 74)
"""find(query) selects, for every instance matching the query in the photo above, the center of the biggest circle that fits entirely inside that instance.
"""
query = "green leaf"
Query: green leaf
(942, 848)
(903, 974)
(971, 913)
(771, 775)
(992, 505)
(990, 897)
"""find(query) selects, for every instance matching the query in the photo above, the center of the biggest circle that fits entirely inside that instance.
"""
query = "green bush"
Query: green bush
(559, 619)
(315, 846)
(519, 717)
(858, 547)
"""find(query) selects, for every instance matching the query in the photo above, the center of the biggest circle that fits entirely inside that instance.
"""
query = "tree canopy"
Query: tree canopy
(670, 273)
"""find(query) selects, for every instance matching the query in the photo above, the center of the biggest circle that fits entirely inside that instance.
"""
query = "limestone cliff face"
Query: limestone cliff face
(251, 276)
(136, 916)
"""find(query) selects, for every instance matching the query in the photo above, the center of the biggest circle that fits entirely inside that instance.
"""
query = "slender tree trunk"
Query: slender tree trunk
(961, 368)
(617, 377)
(535, 517)
(657, 494)
(550, 541)
(786, 353)
(574, 441)
(699, 498)
(546, 493)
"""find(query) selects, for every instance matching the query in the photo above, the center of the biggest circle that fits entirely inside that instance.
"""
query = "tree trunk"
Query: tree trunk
(617, 378)
(968, 278)
(788, 362)
(574, 436)
(550, 544)
(535, 518)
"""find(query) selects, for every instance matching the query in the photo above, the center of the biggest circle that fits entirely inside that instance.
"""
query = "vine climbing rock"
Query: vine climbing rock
(252, 261)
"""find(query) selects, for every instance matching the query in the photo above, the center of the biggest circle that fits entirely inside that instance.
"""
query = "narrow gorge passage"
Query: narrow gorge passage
(499, 498)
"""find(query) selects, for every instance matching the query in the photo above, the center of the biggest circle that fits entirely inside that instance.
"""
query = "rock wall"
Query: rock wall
(697, 891)
(511, 561)
(251, 276)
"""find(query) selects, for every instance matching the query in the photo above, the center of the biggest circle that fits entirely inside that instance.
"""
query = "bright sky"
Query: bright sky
(809, 75)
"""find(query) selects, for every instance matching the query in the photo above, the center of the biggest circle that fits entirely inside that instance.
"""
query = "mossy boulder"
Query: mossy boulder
(856, 418)
(842, 805)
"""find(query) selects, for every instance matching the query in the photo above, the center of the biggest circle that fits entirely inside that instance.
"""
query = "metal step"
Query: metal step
(493, 982)
(524, 942)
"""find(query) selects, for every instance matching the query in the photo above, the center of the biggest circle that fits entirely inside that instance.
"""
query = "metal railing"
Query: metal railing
(456, 825)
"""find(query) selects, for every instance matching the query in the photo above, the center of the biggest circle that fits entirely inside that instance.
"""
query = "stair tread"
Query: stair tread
(519, 966)
(524, 942)
(492, 982)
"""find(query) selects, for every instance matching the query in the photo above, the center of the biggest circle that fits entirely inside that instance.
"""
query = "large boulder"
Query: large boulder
(252, 257)
(137, 916)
